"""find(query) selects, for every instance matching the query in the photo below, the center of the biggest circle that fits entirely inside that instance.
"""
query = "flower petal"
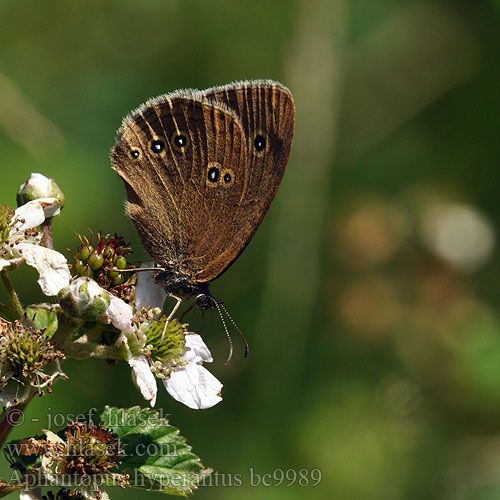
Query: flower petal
(198, 351)
(28, 495)
(5, 263)
(144, 379)
(33, 213)
(147, 292)
(120, 314)
(52, 266)
(13, 393)
(194, 386)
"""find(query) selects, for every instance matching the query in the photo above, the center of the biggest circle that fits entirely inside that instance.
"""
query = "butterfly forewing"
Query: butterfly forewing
(176, 190)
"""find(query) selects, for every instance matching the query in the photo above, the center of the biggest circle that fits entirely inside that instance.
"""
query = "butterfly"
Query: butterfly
(201, 169)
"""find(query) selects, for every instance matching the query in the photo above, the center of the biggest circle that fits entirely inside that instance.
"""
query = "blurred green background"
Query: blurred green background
(370, 294)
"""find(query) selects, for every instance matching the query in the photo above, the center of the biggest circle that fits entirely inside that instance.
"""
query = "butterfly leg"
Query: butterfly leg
(171, 315)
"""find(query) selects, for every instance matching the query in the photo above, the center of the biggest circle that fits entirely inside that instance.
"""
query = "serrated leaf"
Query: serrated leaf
(156, 456)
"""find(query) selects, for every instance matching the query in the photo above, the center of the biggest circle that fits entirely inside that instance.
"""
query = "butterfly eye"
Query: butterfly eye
(260, 143)
(180, 141)
(157, 146)
(135, 153)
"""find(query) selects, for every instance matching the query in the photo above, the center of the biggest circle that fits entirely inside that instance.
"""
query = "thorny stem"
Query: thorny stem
(47, 233)
(16, 303)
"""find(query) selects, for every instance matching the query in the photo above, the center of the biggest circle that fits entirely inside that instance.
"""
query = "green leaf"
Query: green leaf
(156, 456)
(44, 319)
(18, 460)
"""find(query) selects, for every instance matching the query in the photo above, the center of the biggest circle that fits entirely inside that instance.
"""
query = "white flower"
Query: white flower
(52, 267)
(19, 241)
(189, 383)
(120, 314)
(85, 299)
(147, 293)
(192, 384)
(33, 213)
(181, 371)
(28, 495)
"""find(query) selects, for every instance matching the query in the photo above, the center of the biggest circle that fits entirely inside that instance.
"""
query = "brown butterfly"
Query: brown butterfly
(201, 169)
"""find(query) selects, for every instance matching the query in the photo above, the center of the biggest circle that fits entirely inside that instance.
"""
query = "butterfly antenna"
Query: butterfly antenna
(230, 357)
(237, 329)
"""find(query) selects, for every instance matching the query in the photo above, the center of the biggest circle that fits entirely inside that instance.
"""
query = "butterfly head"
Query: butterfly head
(205, 301)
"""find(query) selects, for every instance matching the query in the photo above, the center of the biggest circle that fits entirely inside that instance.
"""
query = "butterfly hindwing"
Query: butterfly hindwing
(267, 113)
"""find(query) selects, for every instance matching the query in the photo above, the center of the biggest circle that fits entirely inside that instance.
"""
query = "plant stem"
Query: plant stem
(47, 233)
(25, 483)
(84, 350)
(11, 488)
(67, 326)
(11, 418)
(7, 312)
(16, 303)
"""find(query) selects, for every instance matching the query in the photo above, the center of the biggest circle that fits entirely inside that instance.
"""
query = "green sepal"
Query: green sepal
(44, 319)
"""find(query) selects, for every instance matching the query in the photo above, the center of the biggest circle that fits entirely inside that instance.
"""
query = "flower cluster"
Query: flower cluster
(101, 312)
(28, 362)
(85, 456)
(91, 449)
(101, 306)
(105, 263)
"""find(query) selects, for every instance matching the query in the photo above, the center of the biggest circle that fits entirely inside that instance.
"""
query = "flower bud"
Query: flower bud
(39, 186)
(84, 299)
